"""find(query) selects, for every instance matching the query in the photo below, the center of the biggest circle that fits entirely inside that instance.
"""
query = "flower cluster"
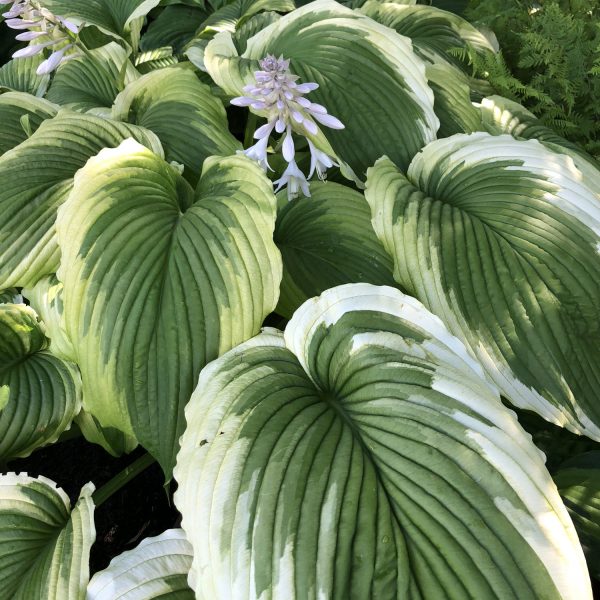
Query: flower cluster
(278, 92)
(47, 29)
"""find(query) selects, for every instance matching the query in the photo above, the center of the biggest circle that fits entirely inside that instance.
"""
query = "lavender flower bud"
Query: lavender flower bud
(52, 61)
(27, 14)
(21, 24)
(27, 36)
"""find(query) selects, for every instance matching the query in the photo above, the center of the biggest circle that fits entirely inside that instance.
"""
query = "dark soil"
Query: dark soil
(140, 509)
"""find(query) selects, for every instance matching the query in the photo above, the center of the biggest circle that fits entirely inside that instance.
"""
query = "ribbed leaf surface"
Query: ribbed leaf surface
(93, 80)
(327, 240)
(36, 177)
(159, 281)
(44, 545)
(45, 297)
(156, 568)
(436, 35)
(20, 115)
(433, 32)
(252, 26)
(39, 393)
(453, 104)
(233, 14)
(500, 115)
(578, 482)
(112, 16)
(175, 26)
(363, 455)
(158, 58)
(19, 75)
(500, 238)
(369, 78)
(113, 440)
(188, 119)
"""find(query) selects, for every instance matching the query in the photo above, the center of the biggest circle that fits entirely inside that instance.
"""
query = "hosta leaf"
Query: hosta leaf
(578, 482)
(175, 26)
(123, 18)
(500, 238)
(45, 297)
(435, 33)
(36, 177)
(92, 37)
(453, 104)
(156, 568)
(93, 80)
(326, 241)
(368, 75)
(500, 115)
(159, 58)
(113, 440)
(19, 75)
(44, 545)
(39, 393)
(252, 26)
(437, 37)
(20, 115)
(158, 281)
(188, 119)
(233, 14)
(242, 18)
(363, 455)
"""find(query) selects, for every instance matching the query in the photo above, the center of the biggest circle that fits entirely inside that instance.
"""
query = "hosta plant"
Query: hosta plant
(309, 269)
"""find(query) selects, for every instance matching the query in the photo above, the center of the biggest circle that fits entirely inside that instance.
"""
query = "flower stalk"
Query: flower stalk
(278, 92)
(122, 478)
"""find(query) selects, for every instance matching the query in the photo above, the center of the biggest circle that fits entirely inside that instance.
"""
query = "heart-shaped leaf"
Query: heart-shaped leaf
(436, 34)
(364, 455)
(158, 281)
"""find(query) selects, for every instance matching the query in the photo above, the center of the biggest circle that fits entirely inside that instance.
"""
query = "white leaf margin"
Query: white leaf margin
(139, 574)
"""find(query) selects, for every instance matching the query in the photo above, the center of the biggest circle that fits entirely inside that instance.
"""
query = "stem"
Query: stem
(122, 75)
(120, 479)
(250, 128)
